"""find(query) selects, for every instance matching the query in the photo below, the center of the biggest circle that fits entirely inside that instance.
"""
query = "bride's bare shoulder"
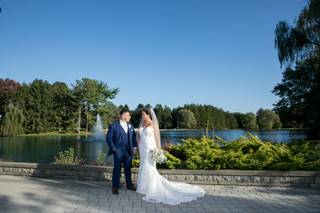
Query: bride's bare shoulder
(148, 124)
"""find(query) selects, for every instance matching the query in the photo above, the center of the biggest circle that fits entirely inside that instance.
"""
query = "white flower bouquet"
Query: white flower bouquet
(158, 156)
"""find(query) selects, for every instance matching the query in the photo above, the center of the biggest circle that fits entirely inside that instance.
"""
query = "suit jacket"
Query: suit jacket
(114, 137)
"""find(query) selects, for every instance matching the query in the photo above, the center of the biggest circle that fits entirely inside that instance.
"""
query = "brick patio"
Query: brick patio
(27, 194)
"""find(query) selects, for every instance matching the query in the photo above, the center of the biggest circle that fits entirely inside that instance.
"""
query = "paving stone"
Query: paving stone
(25, 194)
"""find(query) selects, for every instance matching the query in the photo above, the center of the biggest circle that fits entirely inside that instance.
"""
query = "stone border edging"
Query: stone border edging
(214, 177)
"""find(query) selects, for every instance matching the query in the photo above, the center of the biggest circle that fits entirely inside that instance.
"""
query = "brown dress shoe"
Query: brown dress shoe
(132, 188)
(115, 191)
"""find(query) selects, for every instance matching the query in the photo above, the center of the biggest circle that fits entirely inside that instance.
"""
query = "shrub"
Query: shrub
(101, 159)
(67, 157)
(247, 153)
(172, 162)
(135, 162)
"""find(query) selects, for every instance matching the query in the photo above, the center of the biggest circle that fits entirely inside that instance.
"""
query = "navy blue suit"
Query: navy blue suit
(121, 145)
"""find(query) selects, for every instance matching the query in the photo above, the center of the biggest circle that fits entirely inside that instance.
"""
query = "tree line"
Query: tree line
(197, 116)
(40, 107)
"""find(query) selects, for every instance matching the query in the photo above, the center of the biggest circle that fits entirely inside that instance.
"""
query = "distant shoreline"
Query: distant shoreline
(283, 129)
(162, 130)
(56, 133)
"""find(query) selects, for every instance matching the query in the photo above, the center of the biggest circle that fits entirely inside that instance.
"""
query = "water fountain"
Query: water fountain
(98, 130)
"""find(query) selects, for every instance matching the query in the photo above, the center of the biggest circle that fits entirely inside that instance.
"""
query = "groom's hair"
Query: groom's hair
(124, 111)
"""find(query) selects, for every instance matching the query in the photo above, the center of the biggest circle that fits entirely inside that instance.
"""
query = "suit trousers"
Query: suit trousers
(121, 157)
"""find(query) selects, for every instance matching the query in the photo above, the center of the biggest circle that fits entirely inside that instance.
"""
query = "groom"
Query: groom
(121, 139)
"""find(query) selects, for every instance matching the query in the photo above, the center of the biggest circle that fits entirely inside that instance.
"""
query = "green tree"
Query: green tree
(12, 122)
(175, 116)
(299, 91)
(240, 119)
(186, 119)
(301, 41)
(35, 101)
(136, 115)
(299, 94)
(124, 107)
(230, 121)
(109, 113)
(276, 122)
(246, 121)
(8, 90)
(250, 121)
(63, 107)
(208, 116)
(267, 119)
(164, 116)
(91, 95)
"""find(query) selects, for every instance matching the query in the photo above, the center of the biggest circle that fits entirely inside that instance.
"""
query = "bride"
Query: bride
(150, 183)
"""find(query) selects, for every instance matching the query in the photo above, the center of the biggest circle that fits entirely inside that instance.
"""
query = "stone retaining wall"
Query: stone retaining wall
(214, 177)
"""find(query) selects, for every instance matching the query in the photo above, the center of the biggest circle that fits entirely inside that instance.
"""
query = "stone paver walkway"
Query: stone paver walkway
(25, 194)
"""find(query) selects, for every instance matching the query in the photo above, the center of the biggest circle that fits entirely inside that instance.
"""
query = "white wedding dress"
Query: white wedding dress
(155, 187)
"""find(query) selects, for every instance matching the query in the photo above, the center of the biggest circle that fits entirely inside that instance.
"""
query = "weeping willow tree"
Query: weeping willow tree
(12, 122)
(302, 40)
(298, 49)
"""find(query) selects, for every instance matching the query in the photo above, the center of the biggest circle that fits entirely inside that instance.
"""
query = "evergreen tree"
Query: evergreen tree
(63, 107)
(166, 118)
(124, 107)
(34, 100)
(136, 115)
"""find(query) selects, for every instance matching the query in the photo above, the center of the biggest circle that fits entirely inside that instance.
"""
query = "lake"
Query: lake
(42, 149)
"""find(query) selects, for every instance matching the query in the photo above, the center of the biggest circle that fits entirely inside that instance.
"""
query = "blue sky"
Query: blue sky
(169, 52)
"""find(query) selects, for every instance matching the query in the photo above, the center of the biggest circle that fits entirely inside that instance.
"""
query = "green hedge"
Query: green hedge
(246, 153)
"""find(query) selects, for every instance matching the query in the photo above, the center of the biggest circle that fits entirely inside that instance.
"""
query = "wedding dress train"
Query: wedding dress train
(155, 187)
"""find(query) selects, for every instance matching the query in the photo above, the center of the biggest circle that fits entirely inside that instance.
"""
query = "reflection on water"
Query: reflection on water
(43, 149)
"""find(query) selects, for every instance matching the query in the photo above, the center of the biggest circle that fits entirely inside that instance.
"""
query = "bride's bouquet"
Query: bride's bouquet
(158, 156)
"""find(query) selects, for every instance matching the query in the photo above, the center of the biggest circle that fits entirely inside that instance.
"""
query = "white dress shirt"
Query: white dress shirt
(124, 126)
